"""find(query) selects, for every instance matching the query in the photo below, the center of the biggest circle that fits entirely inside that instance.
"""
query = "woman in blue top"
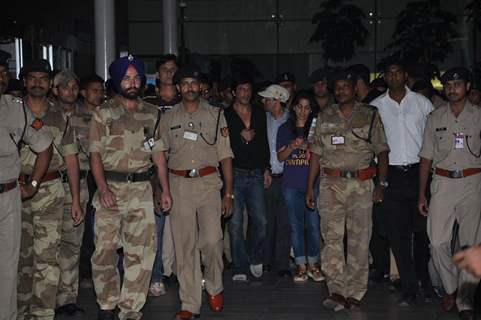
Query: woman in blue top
(293, 140)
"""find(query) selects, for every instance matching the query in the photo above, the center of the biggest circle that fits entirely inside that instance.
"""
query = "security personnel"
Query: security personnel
(452, 147)
(66, 90)
(121, 138)
(4, 77)
(42, 215)
(16, 128)
(347, 137)
(196, 137)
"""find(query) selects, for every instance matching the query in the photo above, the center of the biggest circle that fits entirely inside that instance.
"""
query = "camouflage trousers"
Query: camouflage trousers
(131, 225)
(69, 250)
(345, 206)
(38, 270)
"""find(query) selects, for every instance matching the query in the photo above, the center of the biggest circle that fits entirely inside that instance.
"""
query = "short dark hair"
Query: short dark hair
(166, 58)
(241, 78)
(85, 81)
(394, 62)
(360, 71)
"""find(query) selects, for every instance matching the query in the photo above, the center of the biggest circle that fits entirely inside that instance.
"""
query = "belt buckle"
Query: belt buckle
(194, 173)
(456, 174)
(348, 174)
(130, 177)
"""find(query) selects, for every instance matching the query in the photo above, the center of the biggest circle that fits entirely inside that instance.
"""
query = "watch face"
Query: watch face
(34, 183)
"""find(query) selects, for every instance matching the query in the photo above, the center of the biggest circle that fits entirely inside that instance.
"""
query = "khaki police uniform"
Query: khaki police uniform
(122, 139)
(454, 144)
(71, 235)
(42, 216)
(193, 143)
(346, 202)
(15, 121)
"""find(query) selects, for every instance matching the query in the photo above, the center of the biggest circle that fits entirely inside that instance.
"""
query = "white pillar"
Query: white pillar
(104, 36)
(170, 26)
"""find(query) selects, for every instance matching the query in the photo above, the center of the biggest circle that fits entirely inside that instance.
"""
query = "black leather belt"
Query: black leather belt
(4, 187)
(128, 177)
(276, 175)
(82, 175)
(405, 167)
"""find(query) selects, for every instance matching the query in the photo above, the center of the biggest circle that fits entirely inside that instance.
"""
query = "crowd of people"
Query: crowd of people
(128, 188)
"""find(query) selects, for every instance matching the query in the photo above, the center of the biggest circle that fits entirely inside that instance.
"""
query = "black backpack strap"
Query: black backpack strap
(159, 112)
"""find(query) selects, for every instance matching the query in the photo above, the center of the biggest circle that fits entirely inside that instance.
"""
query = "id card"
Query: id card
(459, 140)
(149, 144)
(189, 135)
(337, 140)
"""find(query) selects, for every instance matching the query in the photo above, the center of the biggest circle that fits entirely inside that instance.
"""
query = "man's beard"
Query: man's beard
(130, 93)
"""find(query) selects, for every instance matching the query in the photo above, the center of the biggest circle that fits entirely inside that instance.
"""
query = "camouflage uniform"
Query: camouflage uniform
(12, 125)
(195, 215)
(454, 200)
(345, 203)
(71, 235)
(119, 136)
(42, 218)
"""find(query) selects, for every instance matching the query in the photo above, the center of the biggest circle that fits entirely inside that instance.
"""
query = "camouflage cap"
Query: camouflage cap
(321, 74)
(457, 73)
(343, 74)
(275, 91)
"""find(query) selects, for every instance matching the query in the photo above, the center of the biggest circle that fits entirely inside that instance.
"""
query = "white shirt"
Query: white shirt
(404, 125)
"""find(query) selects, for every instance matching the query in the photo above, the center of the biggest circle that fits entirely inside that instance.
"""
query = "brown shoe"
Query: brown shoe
(448, 302)
(467, 315)
(186, 315)
(353, 303)
(216, 302)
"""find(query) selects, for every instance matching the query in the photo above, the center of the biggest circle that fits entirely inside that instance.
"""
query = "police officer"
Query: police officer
(4, 77)
(66, 90)
(347, 137)
(16, 127)
(121, 138)
(452, 147)
(42, 215)
(196, 137)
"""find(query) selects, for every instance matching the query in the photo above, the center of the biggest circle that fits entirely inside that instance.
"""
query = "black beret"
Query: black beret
(457, 73)
(285, 76)
(187, 71)
(39, 65)
(321, 74)
(342, 74)
(4, 58)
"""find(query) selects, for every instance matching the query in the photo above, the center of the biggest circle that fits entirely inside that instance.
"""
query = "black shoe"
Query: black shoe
(408, 300)
(106, 315)
(71, 310)
(395, 285)
(284, 273)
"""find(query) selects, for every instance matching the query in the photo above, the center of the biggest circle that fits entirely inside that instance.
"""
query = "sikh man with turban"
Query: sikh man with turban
(122, 144)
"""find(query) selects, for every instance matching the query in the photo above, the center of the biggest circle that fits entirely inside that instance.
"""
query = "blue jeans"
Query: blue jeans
(248, 191)
(303, 219)
(158, 268)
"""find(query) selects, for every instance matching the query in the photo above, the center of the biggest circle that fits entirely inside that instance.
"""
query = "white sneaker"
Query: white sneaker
(332, 305)
(256, 270)
(239, 278)
(157, 289)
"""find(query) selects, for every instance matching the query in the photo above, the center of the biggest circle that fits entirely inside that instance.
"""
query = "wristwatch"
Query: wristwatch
(384, 184)
(229, 195)
(34, 183)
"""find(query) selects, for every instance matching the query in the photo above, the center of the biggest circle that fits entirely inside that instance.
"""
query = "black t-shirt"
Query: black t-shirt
(254, 154)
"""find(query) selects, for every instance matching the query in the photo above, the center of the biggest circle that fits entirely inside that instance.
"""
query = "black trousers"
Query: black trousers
(278, 236)
(404, 225)
(379, 244)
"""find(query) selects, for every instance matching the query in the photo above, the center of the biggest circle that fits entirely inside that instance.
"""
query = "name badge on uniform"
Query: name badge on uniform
(189, 135)
(337, 140)
(149, 144)
(459, 140)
